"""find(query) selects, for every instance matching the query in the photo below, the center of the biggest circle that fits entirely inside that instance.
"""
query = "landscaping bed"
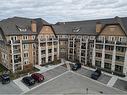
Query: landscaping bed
(55, 62)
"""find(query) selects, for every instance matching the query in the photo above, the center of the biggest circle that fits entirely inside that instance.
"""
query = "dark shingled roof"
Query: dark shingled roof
(10, 25)
(87, 27)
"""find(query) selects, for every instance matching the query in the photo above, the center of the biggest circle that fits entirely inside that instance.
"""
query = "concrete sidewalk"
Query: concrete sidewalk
(46, 68)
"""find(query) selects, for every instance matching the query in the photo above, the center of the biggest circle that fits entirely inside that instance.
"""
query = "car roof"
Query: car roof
(28, 77)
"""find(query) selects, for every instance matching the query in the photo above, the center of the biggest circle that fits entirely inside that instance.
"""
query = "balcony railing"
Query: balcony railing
(99, 41)
(109, 42)
(121, 43)
(14, 42)
(16, 51)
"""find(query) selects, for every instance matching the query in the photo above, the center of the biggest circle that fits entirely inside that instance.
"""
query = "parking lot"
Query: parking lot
(72, 83)
(51, 74)
(61, 81)
(103, 78)
(10, 88)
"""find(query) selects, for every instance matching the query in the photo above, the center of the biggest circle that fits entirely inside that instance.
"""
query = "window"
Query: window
(55, 49)
(107, 65)
(49, 50)
(118, 68)
(99, 46)
(71, 44)
(120, 49)
(34, 46)
(98, 63)
(110, 48)
(26, 62)
(22, 29)
(25, 55)
(120, 58)
(13, 38)
(98, 55)
(25, 46)
(107, 56)
(25, 37)
(76, 29)
(33, 37)
(42, 52)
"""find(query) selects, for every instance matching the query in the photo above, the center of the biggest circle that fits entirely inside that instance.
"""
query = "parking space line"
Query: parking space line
(45, 82)
(22, 86)
(112, 81)
(98, 82)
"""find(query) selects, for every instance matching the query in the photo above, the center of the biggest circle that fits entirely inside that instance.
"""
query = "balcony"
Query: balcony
(16, 51)
(98, 58)
(108, 60)
(49, 39)
(83, 47)
(99, 50)
(121, 43)
(99, 41)
(17, 61)
(119, 62)
(55, 39)
(108, 51)
(109, 42)
(16, 42)
(120, 53)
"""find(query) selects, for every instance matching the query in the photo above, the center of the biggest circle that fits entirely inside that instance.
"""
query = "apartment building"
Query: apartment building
(25, 43)
(98, 43)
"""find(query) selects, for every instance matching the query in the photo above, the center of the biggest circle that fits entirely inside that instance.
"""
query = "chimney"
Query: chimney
(33, 26)
(98, 26)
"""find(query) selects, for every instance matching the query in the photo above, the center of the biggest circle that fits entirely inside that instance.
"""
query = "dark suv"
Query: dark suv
(28, 80)
(96, 74)
(5, 78)
(76, 66)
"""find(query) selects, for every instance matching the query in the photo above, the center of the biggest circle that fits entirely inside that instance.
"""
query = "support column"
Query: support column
(21, 54)
(68, 46)
(125, 64)
(58, 49)
(73, 47)
(94, 52)
(46, 50)
(86, 51)
(80, 49)
(39, 52)
(13, 65)
(113, 57)
(52, 49)
(103, 55)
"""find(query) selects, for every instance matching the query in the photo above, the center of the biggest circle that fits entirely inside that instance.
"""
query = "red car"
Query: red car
(38, 77)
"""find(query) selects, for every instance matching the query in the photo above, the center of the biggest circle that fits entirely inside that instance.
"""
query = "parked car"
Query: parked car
(28, 80)
(5, 78)
(96, 74)
(38, 77)
(76, 66)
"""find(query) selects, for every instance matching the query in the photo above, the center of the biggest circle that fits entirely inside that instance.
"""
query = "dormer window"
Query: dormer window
(22, 29)
(76, 29)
